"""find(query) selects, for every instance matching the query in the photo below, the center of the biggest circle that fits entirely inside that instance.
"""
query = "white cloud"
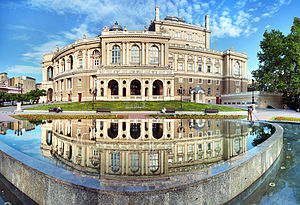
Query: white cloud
(255, 19)
(241, 4)
(25, 69)
(79, 31)
(35, 52)
(20, 37)
(229, 25)
(267, 26)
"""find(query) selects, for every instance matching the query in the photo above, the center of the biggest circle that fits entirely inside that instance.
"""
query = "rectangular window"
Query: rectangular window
(208, 81)
(96, 62)
(199, 68)
(217, 69)
(80, 63)
(200, 148)
(190, 67)
(180, 149)
(180, 80)
(189, 37)
(180, 56)
(237, 90)
(191, 148)
(170, 55)
(191, 135)
(190, 80)
(217, 82)
(79, 84)
(237, 82)
(190, 57)
(208, 69)
(199, 58)
(178, 35)
(180, 66)
(208, 146)
(171, 64)
(200, 81)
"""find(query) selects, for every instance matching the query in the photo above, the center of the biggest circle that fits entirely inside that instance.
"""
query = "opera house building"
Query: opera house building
(165, 60)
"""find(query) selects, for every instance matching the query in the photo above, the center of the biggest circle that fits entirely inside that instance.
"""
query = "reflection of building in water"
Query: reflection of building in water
(141, 147)
(18, 126)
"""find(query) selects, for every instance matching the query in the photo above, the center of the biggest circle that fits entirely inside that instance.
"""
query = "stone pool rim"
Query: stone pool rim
(48, 174)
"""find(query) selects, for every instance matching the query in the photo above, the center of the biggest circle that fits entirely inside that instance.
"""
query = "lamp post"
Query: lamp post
(20, 85)
(94, 93)
(253, 91)
(181, 92)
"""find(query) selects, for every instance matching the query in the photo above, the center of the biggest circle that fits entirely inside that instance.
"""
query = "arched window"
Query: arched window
(115, 162)
(208, 91)
(237, 68)
(134, 162)
(153, 162)
(154, 55)
(95, 52)
(135, 54)
(116, 52)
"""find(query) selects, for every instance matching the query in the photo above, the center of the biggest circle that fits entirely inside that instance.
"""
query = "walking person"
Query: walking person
(250, 113)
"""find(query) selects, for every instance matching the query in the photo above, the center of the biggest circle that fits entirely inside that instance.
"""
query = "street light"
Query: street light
(252, 91)
(181, 92)
(20, 91)
(94, 93)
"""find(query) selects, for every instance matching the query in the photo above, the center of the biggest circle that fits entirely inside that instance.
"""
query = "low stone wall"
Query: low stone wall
(46, 184)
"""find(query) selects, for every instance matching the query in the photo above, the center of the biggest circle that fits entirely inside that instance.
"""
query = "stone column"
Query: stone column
(84, 59)
(185, 63)
(127, 53)
(147, 53)
(143, 54)
(162, 54)
(89, 59)
(123, 54)
(107, 54)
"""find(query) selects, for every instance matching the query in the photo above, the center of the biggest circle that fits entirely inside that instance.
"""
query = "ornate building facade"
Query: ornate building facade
(168, 59)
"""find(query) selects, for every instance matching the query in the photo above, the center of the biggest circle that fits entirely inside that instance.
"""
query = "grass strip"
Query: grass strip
(136, 106)
(51, 117)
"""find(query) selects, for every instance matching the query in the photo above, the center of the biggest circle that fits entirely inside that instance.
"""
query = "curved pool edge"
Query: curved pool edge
(46, 184)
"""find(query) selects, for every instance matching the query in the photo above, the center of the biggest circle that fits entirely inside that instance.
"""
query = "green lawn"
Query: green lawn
(135, 106)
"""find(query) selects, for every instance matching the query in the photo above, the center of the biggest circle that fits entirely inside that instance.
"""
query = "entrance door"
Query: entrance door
(69, 97)
(217, 100)
(79, 97)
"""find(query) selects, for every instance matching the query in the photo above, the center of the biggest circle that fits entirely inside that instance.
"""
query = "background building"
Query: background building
(26, 83)
(168, 59)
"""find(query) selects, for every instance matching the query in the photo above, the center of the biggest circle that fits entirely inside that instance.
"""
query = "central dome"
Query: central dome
(116, 27)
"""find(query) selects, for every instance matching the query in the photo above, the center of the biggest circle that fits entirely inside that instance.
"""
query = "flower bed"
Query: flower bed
(286, 119)
(49, 117)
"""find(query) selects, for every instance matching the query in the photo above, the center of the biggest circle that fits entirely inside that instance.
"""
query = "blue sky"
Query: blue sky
(28, 29)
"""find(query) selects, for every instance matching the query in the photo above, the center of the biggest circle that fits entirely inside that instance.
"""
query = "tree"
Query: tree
(279, 61)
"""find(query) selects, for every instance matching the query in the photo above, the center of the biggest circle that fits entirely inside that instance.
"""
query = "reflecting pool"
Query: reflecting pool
(127, 148)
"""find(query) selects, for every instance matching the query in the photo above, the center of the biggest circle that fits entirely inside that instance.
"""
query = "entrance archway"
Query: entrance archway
(135, 87)
(49, 94)
(157, 87)
(114, 87)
